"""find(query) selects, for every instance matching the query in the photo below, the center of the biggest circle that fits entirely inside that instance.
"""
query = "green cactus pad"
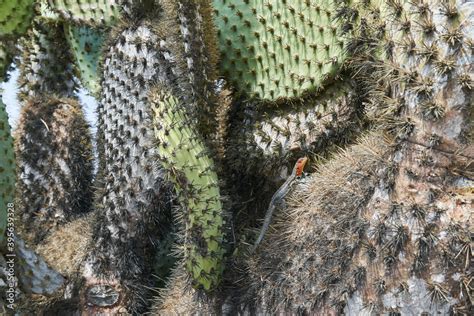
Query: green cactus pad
(278, 49)
(86, 43)
(191, 169)
(15, 17)
(96, 13)
(7, 169)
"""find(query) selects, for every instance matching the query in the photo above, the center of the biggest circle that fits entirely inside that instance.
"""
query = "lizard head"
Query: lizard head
(299, 166)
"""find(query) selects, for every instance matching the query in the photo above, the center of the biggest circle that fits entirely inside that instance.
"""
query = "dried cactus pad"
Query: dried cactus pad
(7, 168)
(15, 16)
(278, 48)
(97, 12)
(86, 43)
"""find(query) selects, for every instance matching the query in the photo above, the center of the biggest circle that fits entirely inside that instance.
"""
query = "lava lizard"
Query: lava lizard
(279, 196)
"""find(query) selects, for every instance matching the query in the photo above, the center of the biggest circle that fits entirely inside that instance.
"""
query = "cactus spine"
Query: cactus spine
(184, 155)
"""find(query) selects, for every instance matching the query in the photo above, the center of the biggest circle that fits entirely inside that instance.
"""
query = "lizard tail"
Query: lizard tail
(266, 224)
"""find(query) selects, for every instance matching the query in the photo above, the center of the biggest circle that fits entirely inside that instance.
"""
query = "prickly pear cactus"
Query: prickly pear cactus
(381, 227)
(278, 49)
(184, 155)
(144, 50)
(7, 169)
(86, 12)
(180, 299)
(15, 17)
(54, 163)
(271, 136)
(412, 258)
(197, 46)
(24, 273)
(46, 65)
(398, 242)
(86, 44)
(35, 276)
(133, 200)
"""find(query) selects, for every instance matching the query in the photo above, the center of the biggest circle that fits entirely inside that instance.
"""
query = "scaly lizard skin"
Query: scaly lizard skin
(279, 196)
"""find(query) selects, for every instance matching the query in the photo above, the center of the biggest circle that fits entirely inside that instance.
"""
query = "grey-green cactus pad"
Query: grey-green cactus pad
(46, 62)
(278, 48)
(86, 43)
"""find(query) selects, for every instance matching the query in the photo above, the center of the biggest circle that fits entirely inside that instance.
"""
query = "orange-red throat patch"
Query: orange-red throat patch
(300, 166)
